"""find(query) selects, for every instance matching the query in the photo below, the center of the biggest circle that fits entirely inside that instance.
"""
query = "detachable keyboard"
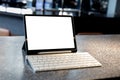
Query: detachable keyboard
(62, 61)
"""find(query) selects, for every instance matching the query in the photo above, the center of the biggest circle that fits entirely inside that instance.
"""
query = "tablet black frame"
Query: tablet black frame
(31, 52)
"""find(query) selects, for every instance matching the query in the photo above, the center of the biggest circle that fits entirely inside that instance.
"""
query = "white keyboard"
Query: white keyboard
(62, 61)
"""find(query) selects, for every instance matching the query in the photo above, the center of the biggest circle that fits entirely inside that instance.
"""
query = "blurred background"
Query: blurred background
(83, 11)
(107, 8)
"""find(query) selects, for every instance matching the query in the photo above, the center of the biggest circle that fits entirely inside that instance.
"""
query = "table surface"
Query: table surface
(105, 48)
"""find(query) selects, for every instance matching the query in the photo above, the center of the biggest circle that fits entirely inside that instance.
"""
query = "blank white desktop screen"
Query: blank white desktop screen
(49, 32)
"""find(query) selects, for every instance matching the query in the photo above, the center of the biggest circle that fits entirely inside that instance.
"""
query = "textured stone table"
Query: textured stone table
(105, 48)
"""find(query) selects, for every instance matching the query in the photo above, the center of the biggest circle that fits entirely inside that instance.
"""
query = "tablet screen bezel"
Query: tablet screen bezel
(74, 49)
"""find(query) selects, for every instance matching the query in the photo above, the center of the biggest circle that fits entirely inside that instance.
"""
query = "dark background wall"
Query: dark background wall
(97, 24)
(82, 24)
(117, 12)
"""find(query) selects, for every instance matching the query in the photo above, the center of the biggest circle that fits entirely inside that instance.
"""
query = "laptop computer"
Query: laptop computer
(52, 35)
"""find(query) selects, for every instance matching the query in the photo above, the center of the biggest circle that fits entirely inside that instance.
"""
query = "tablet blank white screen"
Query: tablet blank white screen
(46, 32)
